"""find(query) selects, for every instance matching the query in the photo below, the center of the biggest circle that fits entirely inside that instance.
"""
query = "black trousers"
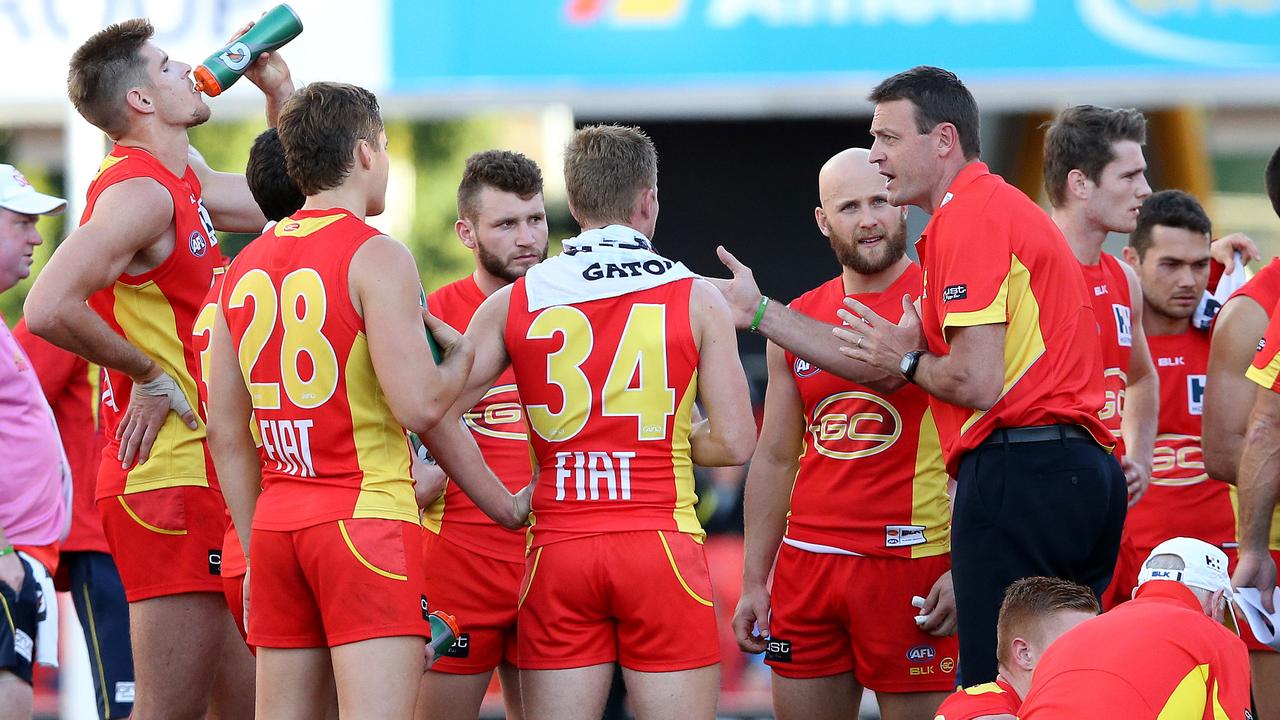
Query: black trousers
(1053, 508)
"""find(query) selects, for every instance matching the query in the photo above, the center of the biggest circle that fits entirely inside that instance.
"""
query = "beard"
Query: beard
(850, 254)
(199, 116)
(500, 267)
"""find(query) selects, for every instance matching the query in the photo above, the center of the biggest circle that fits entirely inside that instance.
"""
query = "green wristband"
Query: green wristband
(755, 324)
(7, 551)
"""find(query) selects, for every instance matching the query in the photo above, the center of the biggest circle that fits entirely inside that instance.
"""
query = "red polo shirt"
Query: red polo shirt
(1158, 655)
(992, 256)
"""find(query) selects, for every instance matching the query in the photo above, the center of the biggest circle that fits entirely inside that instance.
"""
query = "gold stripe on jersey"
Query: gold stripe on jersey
(682, 465)
(433, 516)
(107, 162)
(382, 451)
(1193, 696)
(177, 458)
(930, 504)
(305, 226)
(1265, 376)
(1023, 340)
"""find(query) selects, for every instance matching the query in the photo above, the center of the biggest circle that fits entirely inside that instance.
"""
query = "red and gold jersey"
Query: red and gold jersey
(155, 312)
(990, 255)
(871, 479)
(993, 698)
(608, 388)
(1109, 289)
(497, 423)
(1157, 655)
(1182, 501)
(70, 384)
(331, 449)
(1266, 362)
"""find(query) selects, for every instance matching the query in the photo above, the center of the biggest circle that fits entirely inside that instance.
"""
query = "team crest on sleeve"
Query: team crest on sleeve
(803, 368)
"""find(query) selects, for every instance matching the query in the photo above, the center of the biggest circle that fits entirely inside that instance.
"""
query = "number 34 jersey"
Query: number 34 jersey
(608, 388)
(331, 448)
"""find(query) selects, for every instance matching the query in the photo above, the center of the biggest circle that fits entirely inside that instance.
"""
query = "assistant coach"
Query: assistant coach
(1005, 344)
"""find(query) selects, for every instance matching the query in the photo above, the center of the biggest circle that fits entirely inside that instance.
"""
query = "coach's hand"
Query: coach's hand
(524, 504)
(12, 572)
(751, 619)
(428, 656)
(871, 339)
(742, 293)
(1257, 570)
(1224, 250)
(150, 401)
(269, 72)
(428, 480)
(1137, 478)
(449, 340)
(940, 606)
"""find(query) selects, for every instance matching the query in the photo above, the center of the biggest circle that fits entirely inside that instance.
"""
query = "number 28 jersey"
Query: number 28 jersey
(331, 449)
(608, 388)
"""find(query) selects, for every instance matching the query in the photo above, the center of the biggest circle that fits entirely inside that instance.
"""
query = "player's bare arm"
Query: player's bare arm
(802, 335)
(131, 231)
(227, 198)
(1228, 394)
(454, 447)
(385, 289)
(768, 499)
(728, 434)
(1141, 402)
(1259, 482)
(1224, 250)
(230, 441)
(486, 335)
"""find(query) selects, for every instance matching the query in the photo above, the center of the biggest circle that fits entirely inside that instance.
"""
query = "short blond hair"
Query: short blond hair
(605, 168)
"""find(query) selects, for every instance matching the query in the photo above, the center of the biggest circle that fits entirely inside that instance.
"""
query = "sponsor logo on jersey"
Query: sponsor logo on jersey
(854, 424)
(1262, 343)
(1175, 361)
(197, 244)
(499, 414)
(955, 292)
(124, 692)
(778, 650)
(1100, 290)
(610, 271)
(922, 654)
(1124, 325)
(904, 535)
(215, 562)
(461, 647)
(803, 368)
(1195, 394)
(236, 57)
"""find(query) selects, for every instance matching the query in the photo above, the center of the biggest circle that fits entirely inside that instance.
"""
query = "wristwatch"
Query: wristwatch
(908, 364)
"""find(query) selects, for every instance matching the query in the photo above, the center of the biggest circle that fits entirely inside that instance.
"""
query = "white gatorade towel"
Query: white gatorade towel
(602, 263)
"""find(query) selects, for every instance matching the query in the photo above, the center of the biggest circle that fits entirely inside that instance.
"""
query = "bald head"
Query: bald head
(866, 232)
(849, 170)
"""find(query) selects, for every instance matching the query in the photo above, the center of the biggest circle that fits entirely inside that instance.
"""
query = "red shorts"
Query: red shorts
(833, 614)
(640, 598)
(335, 583)
(482, 593)
(166, 541)
(1129, 564)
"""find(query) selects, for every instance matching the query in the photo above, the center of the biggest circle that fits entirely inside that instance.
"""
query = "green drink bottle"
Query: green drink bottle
(220, 70)
(444, 632)
(436, 353)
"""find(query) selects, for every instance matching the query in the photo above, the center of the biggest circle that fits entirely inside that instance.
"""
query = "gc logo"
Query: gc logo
(854, 424)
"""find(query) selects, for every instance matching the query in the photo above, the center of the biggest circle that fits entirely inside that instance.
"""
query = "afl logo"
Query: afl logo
(197, 244)
(804, 369)
(854, 424)
(499, 414)
(237, 56)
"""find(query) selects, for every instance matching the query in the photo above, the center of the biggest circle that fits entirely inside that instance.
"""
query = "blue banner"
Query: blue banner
(445, 45)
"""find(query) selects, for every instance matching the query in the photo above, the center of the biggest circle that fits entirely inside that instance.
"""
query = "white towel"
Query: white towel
(1212, 302)
(1265, 626)
(46, 639)
(602, 263)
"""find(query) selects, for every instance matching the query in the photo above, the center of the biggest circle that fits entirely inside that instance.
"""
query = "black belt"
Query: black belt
(1038, 433)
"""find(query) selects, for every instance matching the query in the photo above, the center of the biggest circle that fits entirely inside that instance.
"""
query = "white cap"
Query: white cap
(16, 194)
(1205, 565)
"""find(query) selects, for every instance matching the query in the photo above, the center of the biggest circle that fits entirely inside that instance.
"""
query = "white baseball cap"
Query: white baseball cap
(16, 194)
(1205, 565)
